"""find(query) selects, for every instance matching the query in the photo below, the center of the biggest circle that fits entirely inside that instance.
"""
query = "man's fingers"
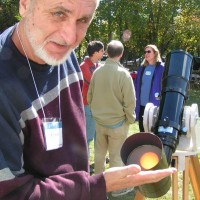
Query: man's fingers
(151, 176)
(131, 176)
(121, 172)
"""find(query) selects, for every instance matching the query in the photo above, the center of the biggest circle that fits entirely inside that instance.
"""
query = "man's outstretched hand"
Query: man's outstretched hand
(117, 178)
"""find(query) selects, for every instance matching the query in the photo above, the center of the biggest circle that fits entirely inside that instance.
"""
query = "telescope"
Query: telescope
(164, 125)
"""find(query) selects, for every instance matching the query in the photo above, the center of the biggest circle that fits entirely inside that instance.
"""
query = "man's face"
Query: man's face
(99, 54)
(54, 27)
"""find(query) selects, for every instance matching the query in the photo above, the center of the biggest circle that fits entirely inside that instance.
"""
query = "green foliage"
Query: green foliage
(8, 13)
(170, 24)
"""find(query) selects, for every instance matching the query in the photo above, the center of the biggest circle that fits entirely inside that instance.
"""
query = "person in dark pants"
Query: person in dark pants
(148, 81)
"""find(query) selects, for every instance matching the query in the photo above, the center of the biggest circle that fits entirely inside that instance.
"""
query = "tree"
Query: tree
(8, 13)
(170, 24)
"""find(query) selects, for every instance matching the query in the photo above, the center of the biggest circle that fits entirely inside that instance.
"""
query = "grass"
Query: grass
(193, 95)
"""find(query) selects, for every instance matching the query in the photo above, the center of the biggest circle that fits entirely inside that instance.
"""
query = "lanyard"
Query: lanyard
(34, 78)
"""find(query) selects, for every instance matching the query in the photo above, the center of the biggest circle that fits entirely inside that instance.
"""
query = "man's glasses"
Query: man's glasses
(147, 51)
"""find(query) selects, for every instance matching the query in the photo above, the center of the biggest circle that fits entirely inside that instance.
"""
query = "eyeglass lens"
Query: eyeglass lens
(147, 51)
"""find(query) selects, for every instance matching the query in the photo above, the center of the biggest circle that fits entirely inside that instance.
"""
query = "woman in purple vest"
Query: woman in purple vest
(148, 81)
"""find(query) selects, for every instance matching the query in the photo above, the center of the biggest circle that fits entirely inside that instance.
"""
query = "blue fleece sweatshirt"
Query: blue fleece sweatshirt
(156, 86)
(27, 170)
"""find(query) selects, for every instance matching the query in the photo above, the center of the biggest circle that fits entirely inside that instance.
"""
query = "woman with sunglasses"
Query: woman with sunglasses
(148, 81)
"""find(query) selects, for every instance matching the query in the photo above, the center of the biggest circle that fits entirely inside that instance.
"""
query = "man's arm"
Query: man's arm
(73, 186)
(19, 182)
(90, 91)
(129, 101)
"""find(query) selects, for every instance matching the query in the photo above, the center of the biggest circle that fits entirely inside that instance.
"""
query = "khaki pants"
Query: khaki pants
(110, 140)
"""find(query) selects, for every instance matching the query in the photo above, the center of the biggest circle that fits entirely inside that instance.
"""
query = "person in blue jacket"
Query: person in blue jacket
(148, 82)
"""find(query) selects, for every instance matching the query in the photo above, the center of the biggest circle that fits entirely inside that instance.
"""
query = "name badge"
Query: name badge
(52, 133)
(148, 73)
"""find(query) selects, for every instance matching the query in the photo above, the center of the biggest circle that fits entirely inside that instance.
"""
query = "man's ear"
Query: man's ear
(23, 7)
